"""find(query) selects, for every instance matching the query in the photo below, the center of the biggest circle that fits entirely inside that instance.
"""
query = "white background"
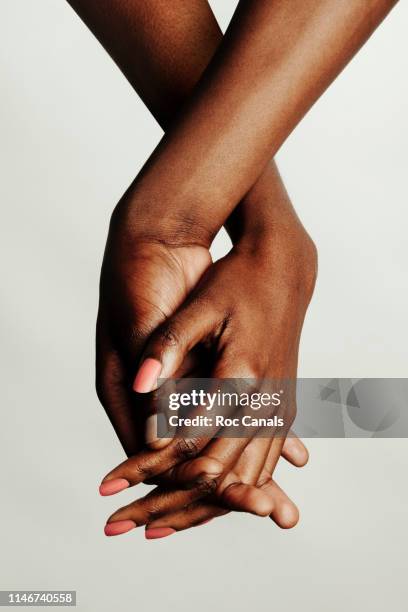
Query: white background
(73, 136)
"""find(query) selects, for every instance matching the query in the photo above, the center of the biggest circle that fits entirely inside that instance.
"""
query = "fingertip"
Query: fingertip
(301, 456)
(296, 452)
(155, 533)
(147, 375)
(113, 486)
(287, 516)
(262, 505)
(118, 527)
(304, 459)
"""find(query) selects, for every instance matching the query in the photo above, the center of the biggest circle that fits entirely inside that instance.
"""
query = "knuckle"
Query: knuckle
(186, 448)
(153, 512)
(139, 473)
(169, 336)
(206, 485)
(147, 508)
(289, 516)
(228, 490)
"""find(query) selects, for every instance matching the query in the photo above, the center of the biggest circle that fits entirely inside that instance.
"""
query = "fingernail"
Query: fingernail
(158, 532)
(118, 527)
(146, 378)
(110, 487)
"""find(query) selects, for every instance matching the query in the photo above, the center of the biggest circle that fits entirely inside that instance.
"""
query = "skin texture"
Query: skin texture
(181, 176)
(271, 186)
(184, 23)
(153, 463)
(274, 62)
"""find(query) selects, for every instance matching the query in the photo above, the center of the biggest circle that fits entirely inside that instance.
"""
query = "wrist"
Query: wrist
(137, 220)
(283, 249)
(266, 228)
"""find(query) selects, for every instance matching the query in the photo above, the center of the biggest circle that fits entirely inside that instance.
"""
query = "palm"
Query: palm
(139, 290)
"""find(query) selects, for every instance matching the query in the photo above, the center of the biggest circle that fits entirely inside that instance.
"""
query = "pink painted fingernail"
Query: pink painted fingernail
(146, 378)
(117, 527)
(110, 487)
(158, 532)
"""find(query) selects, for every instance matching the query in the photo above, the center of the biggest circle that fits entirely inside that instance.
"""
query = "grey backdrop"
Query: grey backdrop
(73, 135)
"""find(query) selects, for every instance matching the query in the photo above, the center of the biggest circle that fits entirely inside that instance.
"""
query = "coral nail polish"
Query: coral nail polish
(118, 527)
(146, 377)
(110, 487)
(158, 532)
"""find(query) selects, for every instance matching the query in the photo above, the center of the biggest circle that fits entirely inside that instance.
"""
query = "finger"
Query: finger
(242, 497)
(285, 513)
(268, 499)
(273, 455)
(236, 492)
(236, 495)
(217, 459)
(295, 451)
(157, 503)
(291, 448)
(169, 345)
(261, 453)
(251, 462)
(193, 366)
(127, 411)
(156, 421)
(147, 464)
(224, 450)
(223, 453)
(195, 515)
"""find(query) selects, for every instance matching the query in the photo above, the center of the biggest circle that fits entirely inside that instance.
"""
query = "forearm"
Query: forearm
(163, 48)
(283, 53)
(275, 61)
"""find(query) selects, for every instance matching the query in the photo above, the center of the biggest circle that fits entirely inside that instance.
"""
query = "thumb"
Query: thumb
(171, 342)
